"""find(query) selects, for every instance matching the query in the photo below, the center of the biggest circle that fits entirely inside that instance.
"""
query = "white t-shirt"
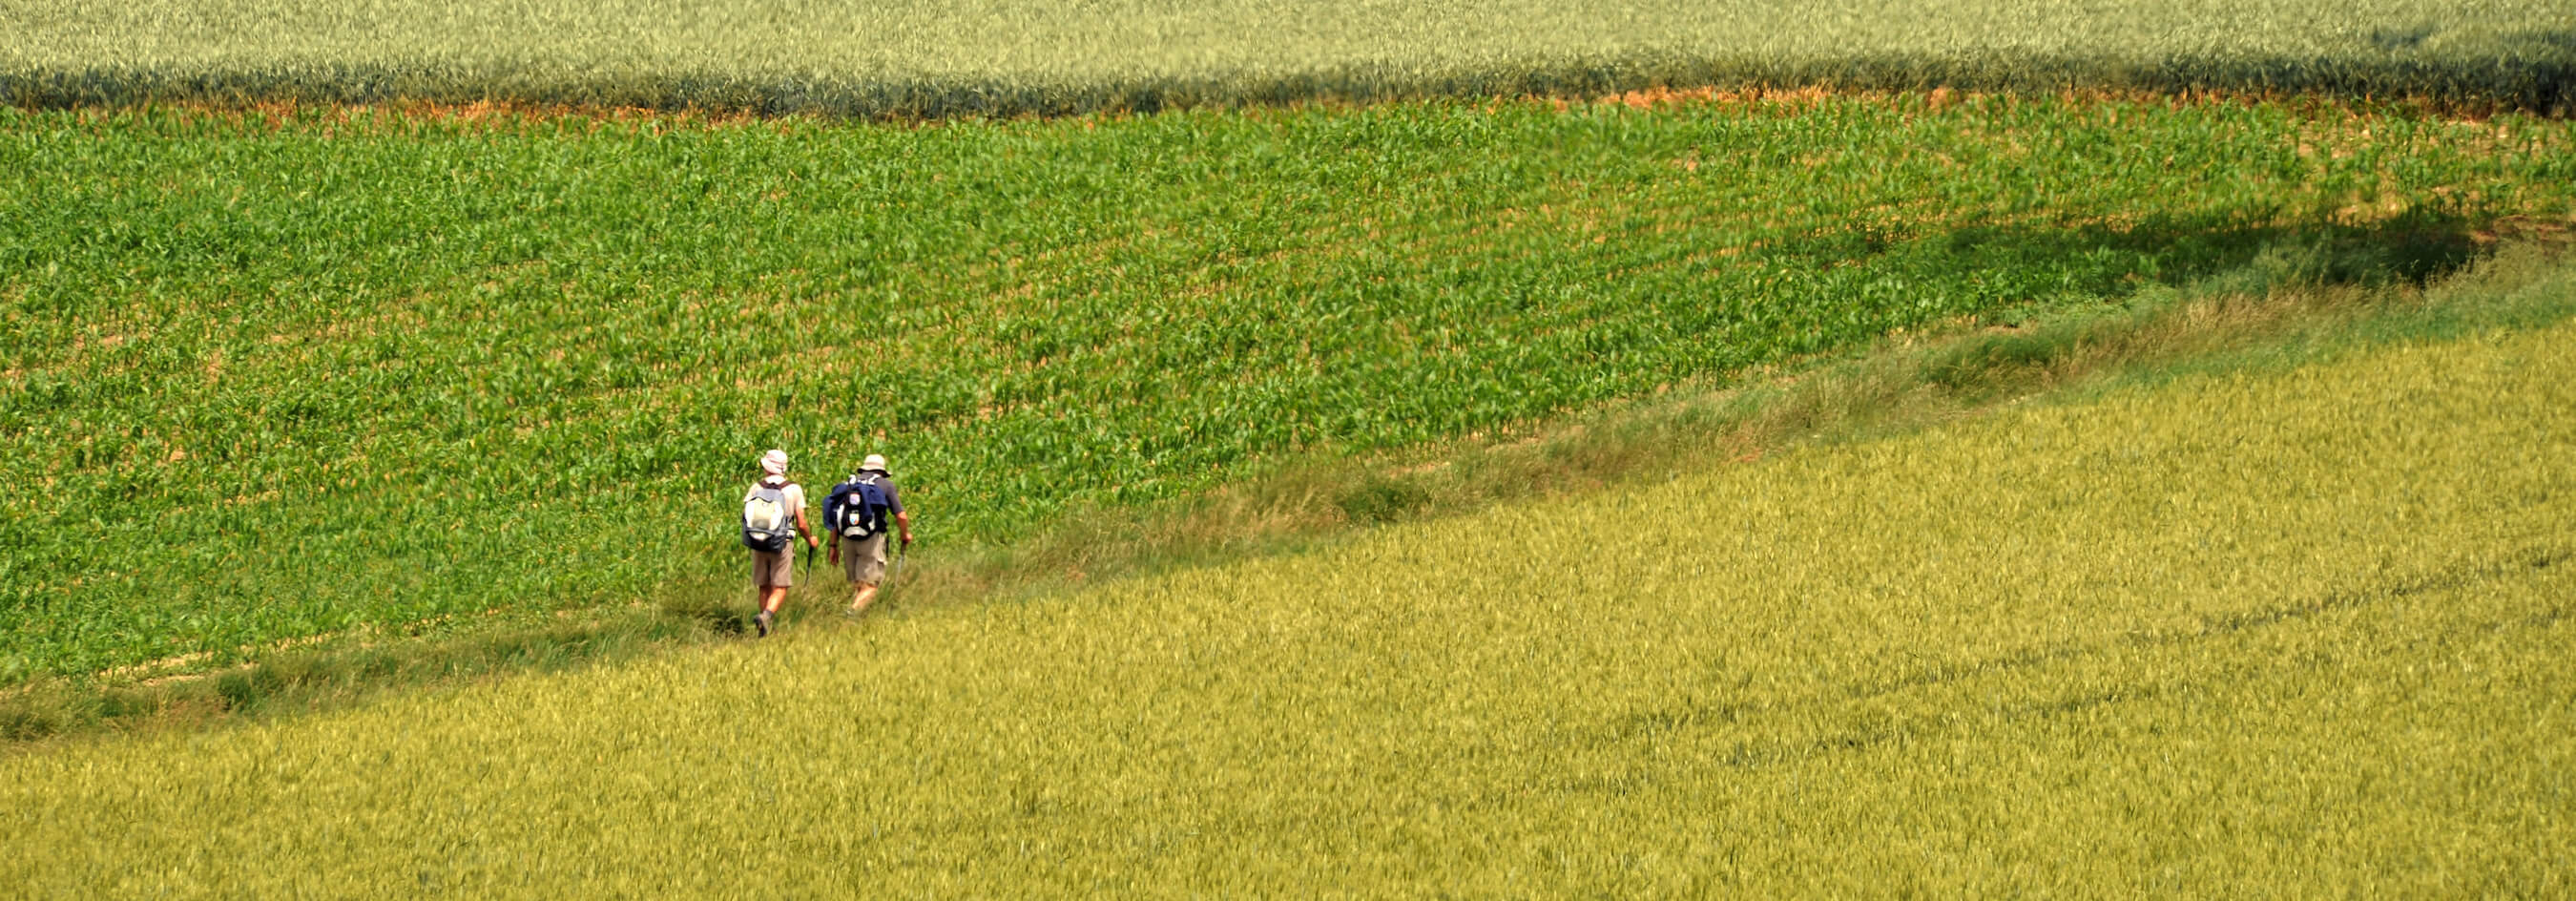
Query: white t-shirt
(795, 497)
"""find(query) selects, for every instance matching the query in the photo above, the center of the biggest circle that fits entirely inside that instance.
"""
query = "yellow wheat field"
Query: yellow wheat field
(2300, 634)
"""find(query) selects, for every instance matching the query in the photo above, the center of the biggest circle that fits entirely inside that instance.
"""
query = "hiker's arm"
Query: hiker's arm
(808, 530)
(903, 521)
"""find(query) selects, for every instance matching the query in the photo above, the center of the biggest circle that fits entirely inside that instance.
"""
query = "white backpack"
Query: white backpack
(767, 525)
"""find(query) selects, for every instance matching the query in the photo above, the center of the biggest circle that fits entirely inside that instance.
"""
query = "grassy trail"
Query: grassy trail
(2248, 635)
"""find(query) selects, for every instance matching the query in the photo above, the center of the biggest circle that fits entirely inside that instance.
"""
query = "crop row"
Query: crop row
(263, 380)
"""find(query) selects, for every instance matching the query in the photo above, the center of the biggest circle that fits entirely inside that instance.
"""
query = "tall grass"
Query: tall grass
(2241, 635)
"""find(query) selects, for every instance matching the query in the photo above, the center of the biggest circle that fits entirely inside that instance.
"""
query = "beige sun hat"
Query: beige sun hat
(875, 462)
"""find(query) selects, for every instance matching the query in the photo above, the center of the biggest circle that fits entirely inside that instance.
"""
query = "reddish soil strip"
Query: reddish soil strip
(514, 114)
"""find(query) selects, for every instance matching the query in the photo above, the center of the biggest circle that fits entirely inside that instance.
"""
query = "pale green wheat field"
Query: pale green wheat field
(2298, 634)
(910, 58)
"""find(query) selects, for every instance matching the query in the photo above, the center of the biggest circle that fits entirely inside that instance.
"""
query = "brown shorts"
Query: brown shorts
(774, 570)
(864, 560)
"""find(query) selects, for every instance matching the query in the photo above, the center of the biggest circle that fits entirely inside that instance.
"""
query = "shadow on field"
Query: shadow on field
(322, 677)
(2408, 253)
(2101, 261)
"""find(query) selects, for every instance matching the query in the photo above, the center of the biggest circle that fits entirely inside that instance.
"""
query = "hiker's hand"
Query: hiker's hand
(907, 539)
(836, 555)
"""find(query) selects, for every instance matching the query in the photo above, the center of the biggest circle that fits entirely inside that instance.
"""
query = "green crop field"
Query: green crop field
(2297, 634)
(915, 59)
(268, 378)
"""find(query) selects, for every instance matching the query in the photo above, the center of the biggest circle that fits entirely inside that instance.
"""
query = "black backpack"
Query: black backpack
(857, 508)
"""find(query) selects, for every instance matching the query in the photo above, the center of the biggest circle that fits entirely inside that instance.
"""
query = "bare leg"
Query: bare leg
(771, 598)
(859, 600)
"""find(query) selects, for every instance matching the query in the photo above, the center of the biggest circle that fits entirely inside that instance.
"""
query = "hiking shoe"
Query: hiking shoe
(761, 622)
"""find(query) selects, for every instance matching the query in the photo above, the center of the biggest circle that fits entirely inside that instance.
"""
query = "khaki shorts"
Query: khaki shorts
(864, 560)
(774, 570)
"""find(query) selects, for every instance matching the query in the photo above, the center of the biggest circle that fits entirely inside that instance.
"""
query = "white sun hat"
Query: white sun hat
(875, 462)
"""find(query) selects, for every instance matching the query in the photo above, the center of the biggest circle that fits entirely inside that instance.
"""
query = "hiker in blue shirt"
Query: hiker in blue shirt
(858, 511)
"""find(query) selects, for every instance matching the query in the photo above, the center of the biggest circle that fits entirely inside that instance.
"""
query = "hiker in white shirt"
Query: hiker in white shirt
(773, 517)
